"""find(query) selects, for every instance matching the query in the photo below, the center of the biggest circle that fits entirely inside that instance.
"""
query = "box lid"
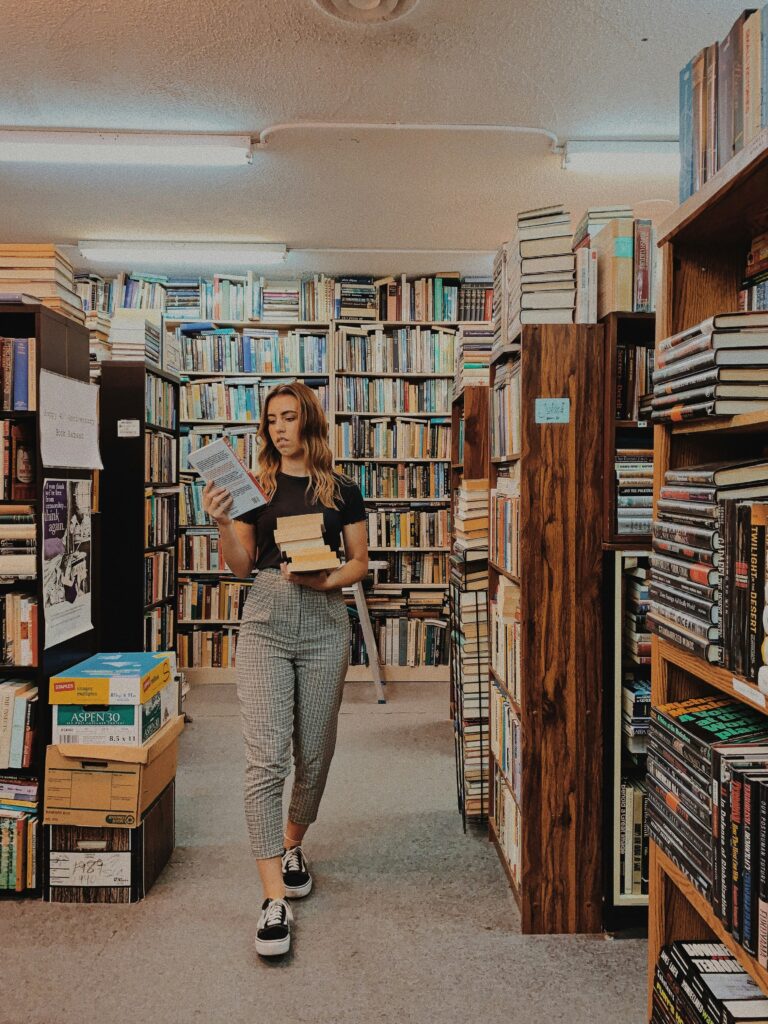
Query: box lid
(127, 755)
(123, 665)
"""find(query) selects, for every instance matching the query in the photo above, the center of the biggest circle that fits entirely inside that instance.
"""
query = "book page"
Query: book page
(217, 462)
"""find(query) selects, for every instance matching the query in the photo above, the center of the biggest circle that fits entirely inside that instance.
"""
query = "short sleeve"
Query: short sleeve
(353, 508)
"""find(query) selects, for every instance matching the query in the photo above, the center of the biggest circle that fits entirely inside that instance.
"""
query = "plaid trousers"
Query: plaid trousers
(292, 656)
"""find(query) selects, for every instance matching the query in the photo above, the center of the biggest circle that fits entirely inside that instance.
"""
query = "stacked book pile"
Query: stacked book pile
(708, 528)
(701, 982)
(99, 326)
(471, 520)
(300, 539)
(134, 334)
(19, 817)
(634, 491)
(183, 298)
(18, 541)
(280, 302)
(594, 220)
(115, 716)
(696, 747)
(718, 368)
(473, 358)
(357, 298)
(42, 272)
(547, 266)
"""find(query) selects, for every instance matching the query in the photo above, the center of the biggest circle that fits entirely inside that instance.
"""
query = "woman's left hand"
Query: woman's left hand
(313, 580)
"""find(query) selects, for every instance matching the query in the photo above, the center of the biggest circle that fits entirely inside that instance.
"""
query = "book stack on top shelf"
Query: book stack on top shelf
(33, 575)
(542, 764)
(468, 600)
(473, 357)
(703, 981)
(43, 273)
(704, 249)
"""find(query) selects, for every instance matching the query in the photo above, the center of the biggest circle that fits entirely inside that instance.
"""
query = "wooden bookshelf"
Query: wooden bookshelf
(629, 330)
(704, 246)
(558, 882)
(126, 429)
(61, 346)
(469, 422)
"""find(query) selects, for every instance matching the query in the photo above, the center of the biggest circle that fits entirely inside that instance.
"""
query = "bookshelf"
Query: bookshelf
(703, 252)
(61, 346)
(469, 460)
(551, 847)
(625, 334)
(139, 443)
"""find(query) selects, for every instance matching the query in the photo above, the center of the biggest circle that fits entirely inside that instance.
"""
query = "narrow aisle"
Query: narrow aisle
(410, 920)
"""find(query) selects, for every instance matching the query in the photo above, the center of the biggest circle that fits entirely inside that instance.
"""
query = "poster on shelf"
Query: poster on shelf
(66, 559)
(69, 422)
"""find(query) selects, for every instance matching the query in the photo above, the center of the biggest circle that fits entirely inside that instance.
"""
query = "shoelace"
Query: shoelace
(275, 914)
(293, 859)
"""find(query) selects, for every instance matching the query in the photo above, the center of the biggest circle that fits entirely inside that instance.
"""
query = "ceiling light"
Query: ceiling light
(27, 145)
(231, 254)
(622, 156)
(366, 11)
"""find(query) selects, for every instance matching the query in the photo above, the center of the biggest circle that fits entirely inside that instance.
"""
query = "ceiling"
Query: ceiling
(578, 68)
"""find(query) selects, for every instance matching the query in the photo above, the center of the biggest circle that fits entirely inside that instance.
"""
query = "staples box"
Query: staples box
(95, 785)
(128, 724)
(112, 679)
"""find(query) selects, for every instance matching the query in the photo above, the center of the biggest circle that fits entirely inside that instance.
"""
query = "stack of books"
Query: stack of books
(300, 539)
(594, 220)
(473, 358)
(19, 817)
(357, 298)
(18, 541)
(718, 368)
(280, 302)
(702, 981)
(470, 520)
(135, 335)
(547, 266)
(183, 299)
(634, 490)
(99, 326)
(42, 272)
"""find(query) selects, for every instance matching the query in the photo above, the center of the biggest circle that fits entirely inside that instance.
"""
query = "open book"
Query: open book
(218, 462)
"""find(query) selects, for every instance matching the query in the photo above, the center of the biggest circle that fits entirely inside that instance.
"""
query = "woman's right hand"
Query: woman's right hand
(217, 501)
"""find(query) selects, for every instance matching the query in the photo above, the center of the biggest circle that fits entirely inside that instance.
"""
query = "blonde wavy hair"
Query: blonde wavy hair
(324, 485)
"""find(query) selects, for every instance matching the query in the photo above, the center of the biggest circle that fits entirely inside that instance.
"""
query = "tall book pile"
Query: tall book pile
(473, 358)
(18, 541)
(300, 539)
(135, 335)
(41, 271)
(280, 302)
(183, 298)
(357, 298)
(701, 982)
(19, 819)
(698, 748)
(634, 490)
(99, 326)
(546, 266)
(718, 368)
(703, 539)
(723, 100)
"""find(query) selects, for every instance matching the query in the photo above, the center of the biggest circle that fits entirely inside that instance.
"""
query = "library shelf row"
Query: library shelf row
(714, 676)
(326, 324)
(503, 686)
(504, 862)
(746, 423)
(504, 460)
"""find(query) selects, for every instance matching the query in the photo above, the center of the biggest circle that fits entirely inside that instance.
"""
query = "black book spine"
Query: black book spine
(756, 596)
(762, 881)
(737, 860)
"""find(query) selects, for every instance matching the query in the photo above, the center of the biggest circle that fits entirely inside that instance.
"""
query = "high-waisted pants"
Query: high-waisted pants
(292, 655)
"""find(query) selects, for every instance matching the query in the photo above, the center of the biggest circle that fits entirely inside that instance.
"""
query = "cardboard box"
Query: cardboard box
(110, 865)
(99, 785)
(116, 724)
(112, 679)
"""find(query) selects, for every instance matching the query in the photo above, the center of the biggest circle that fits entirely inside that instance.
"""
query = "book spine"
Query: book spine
(642, 266)
(762, 865)
(686, 132)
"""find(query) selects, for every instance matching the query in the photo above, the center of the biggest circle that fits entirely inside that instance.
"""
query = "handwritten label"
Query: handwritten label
(749, 692)
(128, 428)
(90, 869)
(553, 410)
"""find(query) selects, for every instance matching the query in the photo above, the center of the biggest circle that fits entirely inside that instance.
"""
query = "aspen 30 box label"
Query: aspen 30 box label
(553, 410)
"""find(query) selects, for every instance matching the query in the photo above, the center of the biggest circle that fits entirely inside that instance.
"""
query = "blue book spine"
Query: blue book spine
(20, 375)
(686, 132)
(764, 67)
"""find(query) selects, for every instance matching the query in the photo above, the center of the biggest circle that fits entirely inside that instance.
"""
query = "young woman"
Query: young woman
(293, 643)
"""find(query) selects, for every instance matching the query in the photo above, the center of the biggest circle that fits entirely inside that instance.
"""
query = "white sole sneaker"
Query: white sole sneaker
(296, 892)
(273, 947)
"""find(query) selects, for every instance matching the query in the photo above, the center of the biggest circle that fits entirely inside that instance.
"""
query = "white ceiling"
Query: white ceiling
(579, 68)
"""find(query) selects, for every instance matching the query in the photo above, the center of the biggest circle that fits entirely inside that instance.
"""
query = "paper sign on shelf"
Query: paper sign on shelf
(128, 428)
(69, 422)
(553, 410)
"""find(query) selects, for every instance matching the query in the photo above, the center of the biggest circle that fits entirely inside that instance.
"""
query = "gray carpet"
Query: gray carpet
(411, 920)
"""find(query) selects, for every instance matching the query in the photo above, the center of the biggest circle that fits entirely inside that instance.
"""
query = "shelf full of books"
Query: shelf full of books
(709, 706)
(468, 601)
(140, 498)
(540, 420)
(36, 578)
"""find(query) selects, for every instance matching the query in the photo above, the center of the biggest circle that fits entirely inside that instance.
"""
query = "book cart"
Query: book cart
(555, 867)
(703, 250)
(61, 346)
(139, 443)
(469, 459)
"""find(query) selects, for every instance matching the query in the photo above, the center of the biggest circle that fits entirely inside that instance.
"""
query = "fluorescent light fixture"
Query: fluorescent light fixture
(27, 145)
(622, 156)
(241, 254)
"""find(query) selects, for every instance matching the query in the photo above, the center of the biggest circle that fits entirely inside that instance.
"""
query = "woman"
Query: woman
(293, 645)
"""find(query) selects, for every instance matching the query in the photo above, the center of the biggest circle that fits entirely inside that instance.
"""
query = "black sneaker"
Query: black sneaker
(273, 932)
(296, 877)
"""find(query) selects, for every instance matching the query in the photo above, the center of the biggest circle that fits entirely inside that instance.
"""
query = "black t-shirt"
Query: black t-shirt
(290, 499)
